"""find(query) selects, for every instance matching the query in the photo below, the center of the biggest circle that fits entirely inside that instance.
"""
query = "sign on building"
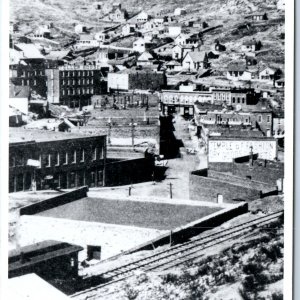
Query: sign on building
(225, 149)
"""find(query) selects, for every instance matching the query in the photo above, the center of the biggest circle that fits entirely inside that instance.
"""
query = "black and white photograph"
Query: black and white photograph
(149, 150)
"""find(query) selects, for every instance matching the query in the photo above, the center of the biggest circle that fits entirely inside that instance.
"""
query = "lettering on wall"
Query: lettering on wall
(225, 151)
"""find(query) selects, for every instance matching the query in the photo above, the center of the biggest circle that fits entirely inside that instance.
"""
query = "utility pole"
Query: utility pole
(132, 133)
(171, 194)
(129, 191)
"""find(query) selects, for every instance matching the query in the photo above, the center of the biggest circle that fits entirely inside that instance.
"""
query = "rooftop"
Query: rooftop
(17, 91)
(196, 56)
(21, 135)
(39, 252)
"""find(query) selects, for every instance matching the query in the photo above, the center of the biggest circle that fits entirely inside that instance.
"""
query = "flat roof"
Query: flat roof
(30, 286)
(162, 216)
(21, 135)
(39, 252)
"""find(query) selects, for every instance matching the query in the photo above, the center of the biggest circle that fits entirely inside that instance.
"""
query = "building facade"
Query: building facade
(75, 85)
(61, 162)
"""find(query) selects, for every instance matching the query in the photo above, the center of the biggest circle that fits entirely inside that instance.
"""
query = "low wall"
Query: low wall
(243, 182)
(183, 233)
(54, 202)
(207, 189)
(113, 239)
(122, 172)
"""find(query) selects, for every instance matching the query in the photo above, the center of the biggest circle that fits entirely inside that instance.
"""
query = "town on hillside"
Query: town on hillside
(146, 149)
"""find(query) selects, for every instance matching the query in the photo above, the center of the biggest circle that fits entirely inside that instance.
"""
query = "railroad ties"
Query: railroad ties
(178, 254)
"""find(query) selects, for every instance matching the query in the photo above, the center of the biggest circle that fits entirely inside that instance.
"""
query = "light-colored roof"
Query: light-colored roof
(18, 91)
(57, 54)
(173, 63)
(31, 287)
(29, 50)
(21, 135)
(196, 56)
(145, 56)
(49, 124)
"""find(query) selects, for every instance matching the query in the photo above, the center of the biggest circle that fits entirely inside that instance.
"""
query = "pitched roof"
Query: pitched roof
(18, 91)
(173, 63)
(249, 42)
(58, 54)
(145, 56)
(237, 66)
(29, 50)
(197, 56)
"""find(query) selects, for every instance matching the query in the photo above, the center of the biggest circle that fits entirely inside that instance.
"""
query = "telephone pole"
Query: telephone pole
(171, 192)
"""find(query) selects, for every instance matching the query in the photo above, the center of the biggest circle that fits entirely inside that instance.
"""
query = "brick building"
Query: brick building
(62, 160)
(32, 74)
(75, 85)
(246, 178)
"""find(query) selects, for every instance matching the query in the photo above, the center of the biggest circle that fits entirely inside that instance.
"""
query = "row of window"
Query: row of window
(26, 82)
(31, 73)
(58, 158)
(77, 73)
(78, 81)
(221, 96)
(78, 91)
(238, 100)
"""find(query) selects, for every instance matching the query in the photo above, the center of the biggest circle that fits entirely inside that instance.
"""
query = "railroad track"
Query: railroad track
(176, 255)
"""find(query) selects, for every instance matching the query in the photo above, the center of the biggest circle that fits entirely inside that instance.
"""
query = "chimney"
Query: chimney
(251, 156)
(22, 257)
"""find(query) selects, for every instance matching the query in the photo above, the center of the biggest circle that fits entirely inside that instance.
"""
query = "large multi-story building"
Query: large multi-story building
(32, 74)
(74, 85)
(48, 159)
(131, 79)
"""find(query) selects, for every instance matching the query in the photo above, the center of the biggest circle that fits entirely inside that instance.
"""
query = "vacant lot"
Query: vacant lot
(132, 213)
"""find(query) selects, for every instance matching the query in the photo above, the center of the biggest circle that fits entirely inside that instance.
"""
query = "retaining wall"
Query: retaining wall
(203, 188)
(183, 233)
(54, 202)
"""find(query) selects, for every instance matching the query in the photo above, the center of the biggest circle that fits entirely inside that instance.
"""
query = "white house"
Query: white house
(281, 4)
(195, 60)
(174, 30)
(181, 39)
(80, 29)
(249, 46)
(128, 29)
(179, 11)
(139, 45)
(268, 74)
(145, 59)
(142, 17)
(238, 72)
(87, 40)
(179, 52)
(173, 66)
(102, 37)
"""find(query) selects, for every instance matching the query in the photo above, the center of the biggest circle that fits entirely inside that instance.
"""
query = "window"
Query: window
(72, 179)
(238, 100)
(95, 153)
(101, 156)
(73, 158)
(259, 119)
(233, 100)
(82, 154)
(66, 158)
(268, 119)
(34, 82)
(64, 92)
(48, 160)
(243, 100)
(57, 159)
